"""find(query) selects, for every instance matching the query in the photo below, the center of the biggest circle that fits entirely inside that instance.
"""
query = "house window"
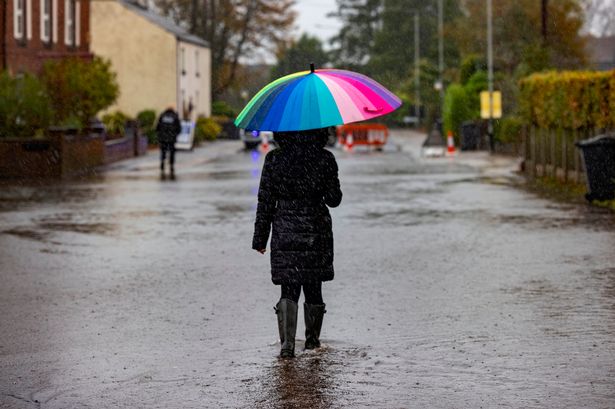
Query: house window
(19, 19)
(196, 62)
(46, 20)
(69, 22)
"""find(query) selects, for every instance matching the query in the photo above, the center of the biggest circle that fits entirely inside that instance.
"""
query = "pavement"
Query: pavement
(455, 287)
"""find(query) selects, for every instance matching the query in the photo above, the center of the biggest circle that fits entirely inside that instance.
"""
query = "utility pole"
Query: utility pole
(441, 56)
(417, 69)
(490, 74)
(545, 19)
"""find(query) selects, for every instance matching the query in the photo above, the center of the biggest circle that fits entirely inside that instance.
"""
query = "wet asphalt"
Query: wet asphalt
(455, 288)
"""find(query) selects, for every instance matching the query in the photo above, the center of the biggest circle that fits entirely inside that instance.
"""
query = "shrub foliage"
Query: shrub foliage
(569, 99)
(207, 129)
(115, 123)
(24, 106)
(147, 122)
(79, 89)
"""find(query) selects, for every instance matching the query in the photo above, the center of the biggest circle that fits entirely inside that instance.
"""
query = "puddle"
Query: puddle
(28, 234)
(84, 228)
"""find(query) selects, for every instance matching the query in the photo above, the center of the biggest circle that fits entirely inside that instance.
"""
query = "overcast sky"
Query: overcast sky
(312, 18)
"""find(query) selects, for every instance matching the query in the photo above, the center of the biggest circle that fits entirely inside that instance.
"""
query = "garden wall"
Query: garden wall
(132, 144)
(64, 153)
(56, 156)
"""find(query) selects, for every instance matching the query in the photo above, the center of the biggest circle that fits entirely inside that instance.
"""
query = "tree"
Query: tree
(517, 34)
(377, 38)
(298, 55)
(79, 89)
(600, 17)
(393, 50)
(361, 19)
(235, 29)
(430, 99)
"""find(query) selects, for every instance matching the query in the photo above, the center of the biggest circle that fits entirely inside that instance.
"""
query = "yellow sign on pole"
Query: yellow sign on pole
(496, 111)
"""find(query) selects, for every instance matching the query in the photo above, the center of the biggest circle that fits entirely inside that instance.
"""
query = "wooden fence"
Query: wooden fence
(552, 153)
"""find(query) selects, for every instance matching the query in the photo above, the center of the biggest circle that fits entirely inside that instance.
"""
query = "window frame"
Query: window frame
(46, 20)
(70, 26)
(20, 18)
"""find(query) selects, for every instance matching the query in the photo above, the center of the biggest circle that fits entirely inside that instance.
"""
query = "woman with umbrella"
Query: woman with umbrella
(300, 181)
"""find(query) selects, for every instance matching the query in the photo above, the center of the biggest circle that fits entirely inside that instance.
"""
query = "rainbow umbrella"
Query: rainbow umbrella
(316, 99)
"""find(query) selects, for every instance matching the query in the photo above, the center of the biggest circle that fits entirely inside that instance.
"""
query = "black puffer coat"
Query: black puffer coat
(298, 182)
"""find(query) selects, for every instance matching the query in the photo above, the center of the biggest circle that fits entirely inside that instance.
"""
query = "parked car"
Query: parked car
(252, 139)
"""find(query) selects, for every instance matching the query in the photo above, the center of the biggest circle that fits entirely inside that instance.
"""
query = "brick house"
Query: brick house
(33, 31)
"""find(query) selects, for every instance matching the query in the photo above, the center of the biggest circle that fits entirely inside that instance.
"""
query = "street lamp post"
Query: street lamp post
(441, 55)
(490, 74)
(417, 69)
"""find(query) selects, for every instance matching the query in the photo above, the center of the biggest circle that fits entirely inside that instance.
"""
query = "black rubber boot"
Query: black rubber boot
(287, 325)
(313, 314)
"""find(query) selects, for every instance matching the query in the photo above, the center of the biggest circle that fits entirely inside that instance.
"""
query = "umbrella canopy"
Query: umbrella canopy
(316, 99)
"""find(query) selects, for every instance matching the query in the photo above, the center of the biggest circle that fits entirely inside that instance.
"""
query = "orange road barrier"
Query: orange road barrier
(375, 135)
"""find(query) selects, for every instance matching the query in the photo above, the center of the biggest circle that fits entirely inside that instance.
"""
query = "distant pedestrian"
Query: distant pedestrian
(299, 180)
(167, 130)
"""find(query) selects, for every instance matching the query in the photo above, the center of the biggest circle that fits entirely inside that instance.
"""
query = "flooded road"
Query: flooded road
(454, 288)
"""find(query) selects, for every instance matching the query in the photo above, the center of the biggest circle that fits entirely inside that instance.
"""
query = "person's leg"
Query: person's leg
(313, 313)
(286, 310)
(313, 293)
(163, 154)
(172, 156)
(291, 292)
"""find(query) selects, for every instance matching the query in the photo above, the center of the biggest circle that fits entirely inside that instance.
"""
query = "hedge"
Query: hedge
(25, 107)
(569, 99)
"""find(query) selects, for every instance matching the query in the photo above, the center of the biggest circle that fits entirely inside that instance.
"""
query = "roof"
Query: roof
(164, 23)
(601, 51)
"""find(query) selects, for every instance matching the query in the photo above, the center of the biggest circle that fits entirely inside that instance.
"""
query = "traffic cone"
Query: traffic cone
(265, 143)
(450, 142)
(349, 142)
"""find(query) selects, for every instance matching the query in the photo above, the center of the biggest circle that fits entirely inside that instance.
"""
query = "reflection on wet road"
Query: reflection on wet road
(455, 288)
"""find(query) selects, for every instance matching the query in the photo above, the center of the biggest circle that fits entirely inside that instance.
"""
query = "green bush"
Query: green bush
(222, 108)
(474, 86)
(147, 122)
(456, 108)
(79, 89)
(25, 108)
(146, 118)
(115, 124)
(470, 65)
(508, 129)
(569, 99)
(207, 129)
(462, 102)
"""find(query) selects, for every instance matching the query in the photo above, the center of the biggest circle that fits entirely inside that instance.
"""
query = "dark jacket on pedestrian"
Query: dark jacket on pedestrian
(168, 126)
(298, 182)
